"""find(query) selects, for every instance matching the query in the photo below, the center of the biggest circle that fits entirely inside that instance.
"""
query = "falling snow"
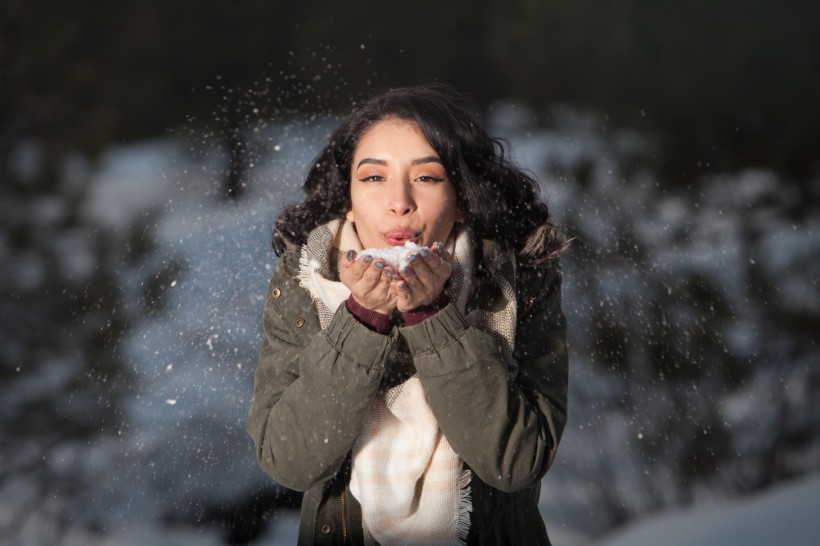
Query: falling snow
(659, 284)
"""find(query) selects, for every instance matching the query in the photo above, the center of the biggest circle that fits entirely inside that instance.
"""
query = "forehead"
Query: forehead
(393, 135)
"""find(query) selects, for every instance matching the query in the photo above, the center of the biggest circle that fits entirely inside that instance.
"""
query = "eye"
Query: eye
(429, 178)
(372, 178)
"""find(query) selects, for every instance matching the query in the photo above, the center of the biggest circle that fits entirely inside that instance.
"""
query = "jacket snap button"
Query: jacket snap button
(276, 293)
(300, 322)
(326, 528)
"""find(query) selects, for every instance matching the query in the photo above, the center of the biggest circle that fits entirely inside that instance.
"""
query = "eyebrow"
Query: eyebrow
(419, 161)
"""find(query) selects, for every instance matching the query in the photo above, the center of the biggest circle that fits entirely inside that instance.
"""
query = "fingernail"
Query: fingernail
(440, 248)
(350, 255)
(379, 264)
(424, 252)
(368, 259)
(387, 273)
(411, 257)
(405, 269)
(402, 286)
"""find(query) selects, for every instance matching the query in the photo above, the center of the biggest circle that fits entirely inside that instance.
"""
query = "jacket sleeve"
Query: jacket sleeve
(312, 387)
(507, 431)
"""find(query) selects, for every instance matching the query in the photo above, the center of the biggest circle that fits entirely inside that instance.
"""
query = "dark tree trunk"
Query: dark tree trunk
(235, 180)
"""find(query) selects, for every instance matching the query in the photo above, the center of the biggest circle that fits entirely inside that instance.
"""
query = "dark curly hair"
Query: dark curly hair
(500, 200)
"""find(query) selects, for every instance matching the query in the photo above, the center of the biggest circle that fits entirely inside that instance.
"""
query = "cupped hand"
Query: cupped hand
(370, 282)
(423, 279)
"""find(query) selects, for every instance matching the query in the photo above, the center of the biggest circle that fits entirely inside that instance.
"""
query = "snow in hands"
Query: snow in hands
(394, 256)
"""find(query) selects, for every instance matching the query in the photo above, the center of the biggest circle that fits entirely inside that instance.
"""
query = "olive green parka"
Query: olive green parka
(313, 389)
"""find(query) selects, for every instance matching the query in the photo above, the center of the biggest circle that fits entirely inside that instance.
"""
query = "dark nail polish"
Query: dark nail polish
(411, 257)
(379, 264)
(405, 269)
(368, 259)
(440, 248)
(424, 252)
(350, 255)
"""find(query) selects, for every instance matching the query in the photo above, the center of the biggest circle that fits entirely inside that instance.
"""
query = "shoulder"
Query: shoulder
(288, 264)
(284, 290)
(288, 303)
(530, 280)
(538, 278)
(537, 284)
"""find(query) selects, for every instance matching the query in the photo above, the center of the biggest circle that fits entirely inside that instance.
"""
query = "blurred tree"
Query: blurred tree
(724, 87)
(61, 319)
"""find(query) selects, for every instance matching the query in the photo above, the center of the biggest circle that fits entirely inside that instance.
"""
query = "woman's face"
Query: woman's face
(399, 189)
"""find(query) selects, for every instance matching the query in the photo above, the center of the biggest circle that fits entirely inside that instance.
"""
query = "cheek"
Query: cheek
(454, 210)
(355, 204)
(453, 203)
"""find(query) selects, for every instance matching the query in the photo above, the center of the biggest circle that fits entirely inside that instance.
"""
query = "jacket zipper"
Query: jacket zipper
(344, 518)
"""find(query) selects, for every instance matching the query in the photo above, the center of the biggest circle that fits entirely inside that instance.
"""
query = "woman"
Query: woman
(421, 402)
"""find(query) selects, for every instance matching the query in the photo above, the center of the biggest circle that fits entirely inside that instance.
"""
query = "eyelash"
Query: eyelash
(422, 178)
(430, 178)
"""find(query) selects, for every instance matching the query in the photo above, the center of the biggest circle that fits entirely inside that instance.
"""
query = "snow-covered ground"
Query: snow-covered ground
(785, 515)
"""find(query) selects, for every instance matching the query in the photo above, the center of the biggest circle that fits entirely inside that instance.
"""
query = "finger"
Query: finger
(354, 265)
(423, 267)
(378, 278)
(373, 271)
(409, 278)
(392, 291)
(402, 284)
(351, 272)
(405, 294)
(442, 267)
(441, 251)
(443, 270)
(387, 278)
(383, 291)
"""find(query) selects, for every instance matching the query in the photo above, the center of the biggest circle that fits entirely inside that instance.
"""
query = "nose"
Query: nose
(401, 200)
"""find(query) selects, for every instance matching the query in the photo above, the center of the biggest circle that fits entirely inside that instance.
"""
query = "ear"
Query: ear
(349, 216)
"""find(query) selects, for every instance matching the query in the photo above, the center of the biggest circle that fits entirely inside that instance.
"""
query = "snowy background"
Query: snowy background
(693, 319)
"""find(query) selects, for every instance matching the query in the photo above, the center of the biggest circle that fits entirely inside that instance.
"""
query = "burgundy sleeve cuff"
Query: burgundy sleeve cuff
(378, 322)
(414, 316)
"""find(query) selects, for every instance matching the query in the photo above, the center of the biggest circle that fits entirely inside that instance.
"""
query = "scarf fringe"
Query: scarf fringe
(323, 293)
(306, 269)
(465, 506)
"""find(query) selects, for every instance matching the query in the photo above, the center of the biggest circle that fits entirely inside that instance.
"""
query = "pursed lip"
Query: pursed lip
(399, 236)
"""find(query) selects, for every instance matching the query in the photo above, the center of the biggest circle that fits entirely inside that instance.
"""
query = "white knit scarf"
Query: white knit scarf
(411, 484)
